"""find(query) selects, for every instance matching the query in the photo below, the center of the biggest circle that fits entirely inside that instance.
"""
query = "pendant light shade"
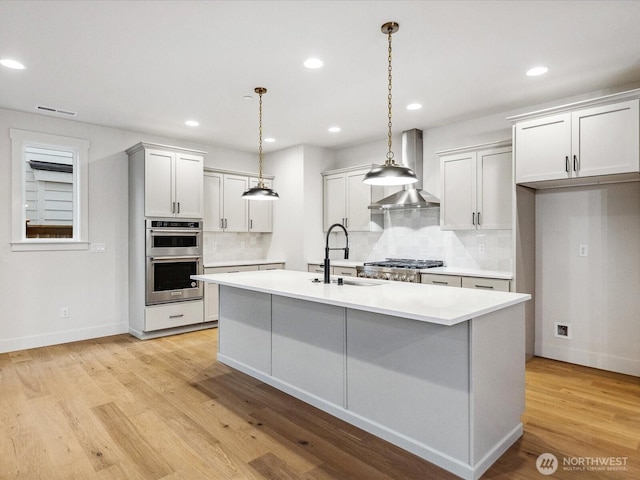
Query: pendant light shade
(260, 191)
(390, 173)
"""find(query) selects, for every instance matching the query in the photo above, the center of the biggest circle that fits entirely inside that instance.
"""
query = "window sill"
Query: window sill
(47, 245)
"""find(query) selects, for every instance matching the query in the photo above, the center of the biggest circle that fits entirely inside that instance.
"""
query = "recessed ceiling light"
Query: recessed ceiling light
(269, 139)
(334, 129)
(247, 97)
(313, 63)
(536, 71)
(191, 123)
(7, 62)
(414, 106)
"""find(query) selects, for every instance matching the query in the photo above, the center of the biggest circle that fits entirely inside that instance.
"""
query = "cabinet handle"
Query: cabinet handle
(176, 316)
(484, 286)
(478, 218)
(566, 164)
(575, 163)
(346, 222)
(473, 218)
(439, 282)
(250, 224)
(178, 203)
(221, 223)
(225, 223)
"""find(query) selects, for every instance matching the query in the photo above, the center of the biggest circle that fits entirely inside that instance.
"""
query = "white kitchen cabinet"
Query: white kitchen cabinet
(466, 282)
(260, 212)
(476, 187)
(211, 297)
(173, 184)
(335, 270)
(226, 210)
(171, 315)
(347, 198)
(587, 142)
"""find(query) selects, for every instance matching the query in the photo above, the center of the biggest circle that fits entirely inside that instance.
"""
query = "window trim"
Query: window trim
(20, 139)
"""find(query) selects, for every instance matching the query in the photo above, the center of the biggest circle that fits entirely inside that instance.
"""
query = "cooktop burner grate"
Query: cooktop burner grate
(405, 263)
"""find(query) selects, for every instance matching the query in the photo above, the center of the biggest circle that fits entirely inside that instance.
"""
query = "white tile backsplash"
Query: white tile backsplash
(222, 246)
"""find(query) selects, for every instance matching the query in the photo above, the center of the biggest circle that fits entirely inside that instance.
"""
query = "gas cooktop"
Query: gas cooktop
(405, 263)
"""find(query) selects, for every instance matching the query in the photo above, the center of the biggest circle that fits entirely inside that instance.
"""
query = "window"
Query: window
(49, 181)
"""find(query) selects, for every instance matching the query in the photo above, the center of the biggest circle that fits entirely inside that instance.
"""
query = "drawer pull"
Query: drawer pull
(439, 282)
(484, 286)
(176, 316)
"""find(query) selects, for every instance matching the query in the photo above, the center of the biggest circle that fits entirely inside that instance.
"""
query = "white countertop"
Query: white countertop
(427, 303)
(469, 272)
(460, 271)
(235, 263)
(340, 263)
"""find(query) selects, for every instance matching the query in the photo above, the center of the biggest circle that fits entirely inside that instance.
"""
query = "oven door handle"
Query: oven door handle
(179, 257)
(183, 232)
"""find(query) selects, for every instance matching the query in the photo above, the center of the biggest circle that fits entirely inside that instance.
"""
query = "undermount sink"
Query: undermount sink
(351, 281)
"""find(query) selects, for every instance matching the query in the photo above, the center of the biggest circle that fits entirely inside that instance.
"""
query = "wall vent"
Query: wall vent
(56, 110)
(562, 330)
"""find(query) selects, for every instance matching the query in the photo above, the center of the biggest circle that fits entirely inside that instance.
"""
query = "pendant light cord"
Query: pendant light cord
(390, 153)
(260, 180)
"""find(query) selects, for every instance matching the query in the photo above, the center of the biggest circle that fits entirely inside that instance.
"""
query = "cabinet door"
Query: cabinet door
(212, 202)
(605, 140)
(543, 149)
(158, 183)
(358, 200)
(494, 195)
(486, 283)
(334, 199)
(260, 212)
(236, 213)
(458, 191)
(442, 280)
(188, 185)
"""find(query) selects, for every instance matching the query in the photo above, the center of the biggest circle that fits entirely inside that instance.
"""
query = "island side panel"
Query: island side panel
(411, 377)
(308, 347)
(245, 327)
(497, 382)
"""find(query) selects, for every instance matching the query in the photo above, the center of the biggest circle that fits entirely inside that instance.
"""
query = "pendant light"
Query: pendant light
(260, 191)
(390, 173)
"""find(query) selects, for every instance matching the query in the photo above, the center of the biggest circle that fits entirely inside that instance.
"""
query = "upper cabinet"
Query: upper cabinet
(477, 185)
(347, 199)
(578, 143)
(260, 212)
(173, 184)
(227, 211)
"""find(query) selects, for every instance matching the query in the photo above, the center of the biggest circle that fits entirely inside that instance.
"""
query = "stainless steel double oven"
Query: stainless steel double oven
(174, 253)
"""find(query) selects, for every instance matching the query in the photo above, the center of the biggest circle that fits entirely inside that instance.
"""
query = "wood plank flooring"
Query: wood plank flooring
(120, 408)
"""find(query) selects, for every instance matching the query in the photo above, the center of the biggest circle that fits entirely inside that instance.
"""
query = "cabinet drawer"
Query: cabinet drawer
(271, 266)
(444, 280)
(486, 283)
(159, 317)
(232, 269)
(344, 271)
(315, 268)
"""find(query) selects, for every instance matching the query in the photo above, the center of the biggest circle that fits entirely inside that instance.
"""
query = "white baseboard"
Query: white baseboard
(602, 361)
(64, 336)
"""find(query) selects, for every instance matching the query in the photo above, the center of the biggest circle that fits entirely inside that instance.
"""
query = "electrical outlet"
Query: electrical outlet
(481, 248)
(583, 250)
(98, 247)
(64, 312)
(562, 330)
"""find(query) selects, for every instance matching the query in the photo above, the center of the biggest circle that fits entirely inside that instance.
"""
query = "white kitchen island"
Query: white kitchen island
(437, 371)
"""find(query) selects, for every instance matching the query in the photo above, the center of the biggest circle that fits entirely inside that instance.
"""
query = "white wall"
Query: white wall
(597, 294)
(297, 216)
(36, 285)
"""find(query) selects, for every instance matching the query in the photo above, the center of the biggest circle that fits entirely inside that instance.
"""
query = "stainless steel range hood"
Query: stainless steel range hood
(411, 196)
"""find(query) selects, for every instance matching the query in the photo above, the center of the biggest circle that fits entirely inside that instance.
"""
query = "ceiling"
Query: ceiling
(148, 66)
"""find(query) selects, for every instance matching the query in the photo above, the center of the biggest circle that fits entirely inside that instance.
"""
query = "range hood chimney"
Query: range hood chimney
(411, 196)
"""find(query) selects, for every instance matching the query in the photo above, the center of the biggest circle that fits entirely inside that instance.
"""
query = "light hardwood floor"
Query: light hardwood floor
(120, 408)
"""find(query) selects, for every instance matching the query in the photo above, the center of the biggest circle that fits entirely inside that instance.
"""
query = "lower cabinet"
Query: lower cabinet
(159, 317)
(211, 309)
(466, 282)
(336, 270)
